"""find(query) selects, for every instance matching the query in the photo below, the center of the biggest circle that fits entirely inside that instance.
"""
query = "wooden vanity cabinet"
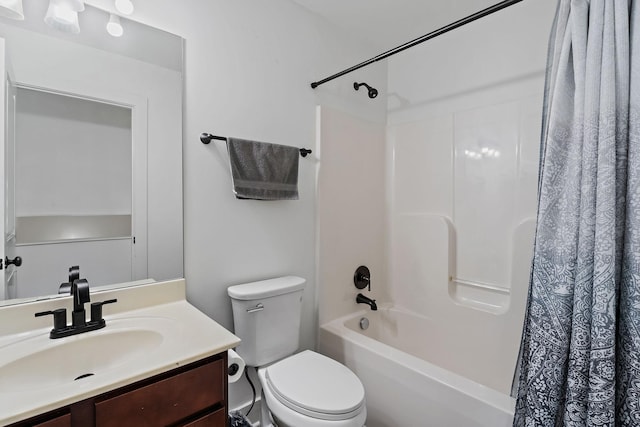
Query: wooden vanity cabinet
(191, 396)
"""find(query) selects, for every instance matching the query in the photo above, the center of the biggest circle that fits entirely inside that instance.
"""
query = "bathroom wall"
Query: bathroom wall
(351, 209)
(463, 144)
(508, 46)
(248, 67)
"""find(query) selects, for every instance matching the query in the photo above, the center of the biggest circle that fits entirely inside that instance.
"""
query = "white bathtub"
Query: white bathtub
(418, 382)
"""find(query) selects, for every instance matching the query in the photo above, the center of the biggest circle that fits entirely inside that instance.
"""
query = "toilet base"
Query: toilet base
(275, 414)
(265, 415)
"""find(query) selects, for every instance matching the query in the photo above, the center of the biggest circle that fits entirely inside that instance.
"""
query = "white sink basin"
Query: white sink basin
(40, 362)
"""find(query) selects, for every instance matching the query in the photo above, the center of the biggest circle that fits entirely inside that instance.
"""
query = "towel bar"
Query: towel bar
(207, 137)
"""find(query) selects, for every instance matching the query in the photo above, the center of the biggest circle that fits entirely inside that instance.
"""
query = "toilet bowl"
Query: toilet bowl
(311, 390)
(305, 389)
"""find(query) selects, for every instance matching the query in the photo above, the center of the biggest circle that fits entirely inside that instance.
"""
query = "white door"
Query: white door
(8, 259)
(11, 260)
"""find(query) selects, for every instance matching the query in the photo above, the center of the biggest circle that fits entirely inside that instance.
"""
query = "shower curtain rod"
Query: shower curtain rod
(431, 35)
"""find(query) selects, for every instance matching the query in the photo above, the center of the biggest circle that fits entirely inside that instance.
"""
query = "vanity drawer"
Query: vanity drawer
(52, 419)
(167, 401)
(216, 419)
(63, 421)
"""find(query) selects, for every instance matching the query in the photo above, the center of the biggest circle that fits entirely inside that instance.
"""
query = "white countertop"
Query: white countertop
(187, 335)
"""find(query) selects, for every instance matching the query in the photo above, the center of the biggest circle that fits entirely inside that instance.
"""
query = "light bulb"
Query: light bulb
(61, 17)
(124, 6)
(114, 27)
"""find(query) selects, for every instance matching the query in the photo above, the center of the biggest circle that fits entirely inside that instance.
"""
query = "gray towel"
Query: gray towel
(263, 171)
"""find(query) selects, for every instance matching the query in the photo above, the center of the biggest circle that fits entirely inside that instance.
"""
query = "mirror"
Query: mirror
(93, 147)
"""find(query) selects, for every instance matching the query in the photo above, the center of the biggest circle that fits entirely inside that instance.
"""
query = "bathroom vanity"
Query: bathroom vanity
(194, 396)
(158, 362)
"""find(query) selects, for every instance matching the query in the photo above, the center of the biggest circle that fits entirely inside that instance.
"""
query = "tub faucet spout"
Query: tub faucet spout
(361, 299)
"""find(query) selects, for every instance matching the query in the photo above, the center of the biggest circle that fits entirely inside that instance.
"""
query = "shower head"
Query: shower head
(373, 92)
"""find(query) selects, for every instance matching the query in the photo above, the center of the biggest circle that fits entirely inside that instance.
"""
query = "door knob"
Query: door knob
(17, 261)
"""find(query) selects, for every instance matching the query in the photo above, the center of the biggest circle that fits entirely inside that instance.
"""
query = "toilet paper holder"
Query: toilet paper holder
(233, 369)
(235, 366)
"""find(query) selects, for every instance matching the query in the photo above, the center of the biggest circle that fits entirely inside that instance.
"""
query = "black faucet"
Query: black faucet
(361, 299)
(80, 292)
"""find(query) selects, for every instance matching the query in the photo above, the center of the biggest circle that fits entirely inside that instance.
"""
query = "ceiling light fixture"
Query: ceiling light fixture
(75, 5)
(63, 15)
(114, 27)
(124, 6)
(12, 9)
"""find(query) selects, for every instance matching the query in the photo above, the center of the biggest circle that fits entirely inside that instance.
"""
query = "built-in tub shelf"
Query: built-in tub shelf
(434, 263)
(39, 230)
(482, 296)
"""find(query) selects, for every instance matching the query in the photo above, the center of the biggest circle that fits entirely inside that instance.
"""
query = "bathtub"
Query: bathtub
(426, 383)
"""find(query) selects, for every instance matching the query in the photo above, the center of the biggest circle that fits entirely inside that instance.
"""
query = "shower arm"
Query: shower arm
(481, 14)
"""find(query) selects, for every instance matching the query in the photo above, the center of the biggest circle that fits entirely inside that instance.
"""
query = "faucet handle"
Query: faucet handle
(59, 317)
(362, 278)
(96, 309)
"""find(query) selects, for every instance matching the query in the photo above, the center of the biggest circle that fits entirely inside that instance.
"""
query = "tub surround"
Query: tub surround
(184, 335)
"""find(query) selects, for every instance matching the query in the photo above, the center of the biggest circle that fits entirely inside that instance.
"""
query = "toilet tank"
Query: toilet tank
(266, 317)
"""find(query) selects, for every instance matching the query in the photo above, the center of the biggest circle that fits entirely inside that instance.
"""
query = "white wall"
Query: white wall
(248, 67)
(73, 156)
(506, 46)
(351, 210)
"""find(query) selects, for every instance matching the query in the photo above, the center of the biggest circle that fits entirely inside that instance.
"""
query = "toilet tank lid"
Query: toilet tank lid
(266, 288)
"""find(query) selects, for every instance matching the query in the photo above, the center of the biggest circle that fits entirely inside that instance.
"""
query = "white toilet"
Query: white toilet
(298, 390)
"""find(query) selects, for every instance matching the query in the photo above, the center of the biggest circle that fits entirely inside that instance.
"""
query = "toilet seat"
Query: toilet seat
(316, 386)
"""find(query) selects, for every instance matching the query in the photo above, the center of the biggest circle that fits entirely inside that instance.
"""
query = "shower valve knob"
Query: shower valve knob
(362, 278)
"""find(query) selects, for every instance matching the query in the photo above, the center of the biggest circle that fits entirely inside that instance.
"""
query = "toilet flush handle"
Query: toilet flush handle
(258, 307)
